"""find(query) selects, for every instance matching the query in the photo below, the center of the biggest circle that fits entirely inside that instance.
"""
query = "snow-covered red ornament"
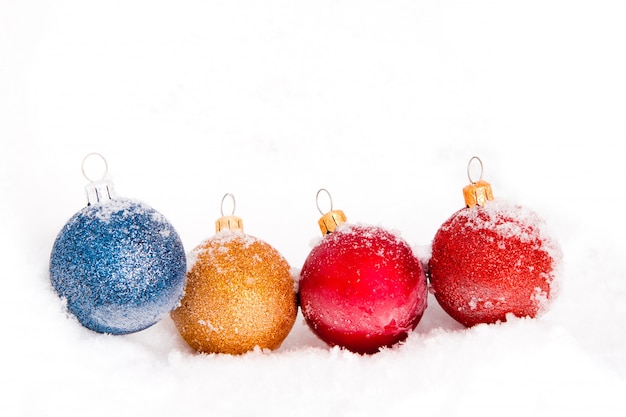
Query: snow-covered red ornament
(492, 258)
(239, 294)
(361, 287)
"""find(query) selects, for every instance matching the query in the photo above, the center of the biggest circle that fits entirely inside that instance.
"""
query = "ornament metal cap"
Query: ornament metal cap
(230, 222)
(328, 222)
(478, 192)
(98, 190)
(233, 223)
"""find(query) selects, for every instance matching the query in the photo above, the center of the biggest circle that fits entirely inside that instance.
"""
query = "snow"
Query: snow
(381, 103)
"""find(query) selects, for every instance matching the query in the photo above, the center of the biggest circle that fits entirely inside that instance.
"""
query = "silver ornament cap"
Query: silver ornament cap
(98, 190)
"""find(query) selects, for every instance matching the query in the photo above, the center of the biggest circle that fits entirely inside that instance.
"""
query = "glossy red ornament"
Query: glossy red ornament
(491, 259)
(361, 287)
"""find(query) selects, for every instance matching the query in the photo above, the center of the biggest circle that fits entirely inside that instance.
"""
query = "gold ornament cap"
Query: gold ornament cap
(328, 222)
(233, 223)
(477, 192)
(230, 222)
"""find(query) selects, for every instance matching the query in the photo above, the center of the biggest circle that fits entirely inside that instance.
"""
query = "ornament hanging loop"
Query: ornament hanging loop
(317, 200)
(232, 197)
(331, 219)
(98, 190)
(228, 222)
(477, 192)
(469, 171)
(106, 167)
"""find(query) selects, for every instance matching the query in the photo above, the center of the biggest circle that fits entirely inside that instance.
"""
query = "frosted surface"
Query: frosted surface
(381, 103)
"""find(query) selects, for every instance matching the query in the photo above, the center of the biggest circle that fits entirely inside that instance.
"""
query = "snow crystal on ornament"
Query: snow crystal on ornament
(362, 288)
(491, 260)
(241, 286)
(120, 267)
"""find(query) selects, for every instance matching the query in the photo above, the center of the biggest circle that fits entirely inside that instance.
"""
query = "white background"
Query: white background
(383, 104)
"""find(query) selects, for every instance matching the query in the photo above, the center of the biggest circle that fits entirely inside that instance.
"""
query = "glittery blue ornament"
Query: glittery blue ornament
(118, 263)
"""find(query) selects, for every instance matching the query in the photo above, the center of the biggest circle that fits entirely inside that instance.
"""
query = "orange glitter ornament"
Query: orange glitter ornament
(239, 295)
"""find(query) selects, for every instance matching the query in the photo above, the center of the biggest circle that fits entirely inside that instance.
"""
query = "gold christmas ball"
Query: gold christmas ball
(239, 294)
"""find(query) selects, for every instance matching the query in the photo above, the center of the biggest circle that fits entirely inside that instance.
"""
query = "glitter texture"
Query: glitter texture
(239, 295)
(120, 265)
(491, 261)
(362, 288)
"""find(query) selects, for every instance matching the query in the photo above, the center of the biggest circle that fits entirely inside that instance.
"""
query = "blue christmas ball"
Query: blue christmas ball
(120, 265)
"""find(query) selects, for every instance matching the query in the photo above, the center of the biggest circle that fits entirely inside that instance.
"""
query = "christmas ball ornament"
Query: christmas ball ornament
(239, 295)
(118, 263)
(361, 287)
(492, 258)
